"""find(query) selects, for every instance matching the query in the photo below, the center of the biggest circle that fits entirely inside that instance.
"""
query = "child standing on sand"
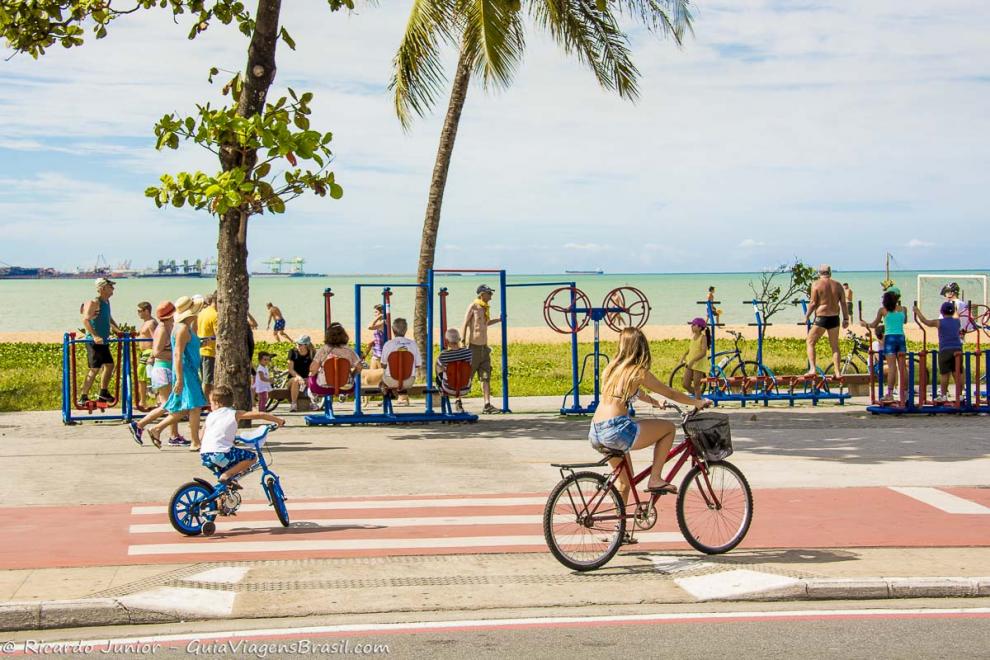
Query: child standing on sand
(694, 359)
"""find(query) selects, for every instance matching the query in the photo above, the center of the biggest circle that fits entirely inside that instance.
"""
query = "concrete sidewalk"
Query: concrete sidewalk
(433, 585)
(48, 464)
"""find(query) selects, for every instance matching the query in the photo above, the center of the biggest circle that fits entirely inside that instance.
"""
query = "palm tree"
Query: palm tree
(490, 36)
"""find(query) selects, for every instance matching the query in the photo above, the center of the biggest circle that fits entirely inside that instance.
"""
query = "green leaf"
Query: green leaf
(276, 205)
(262, 170)
(336, 192)
(287, 39)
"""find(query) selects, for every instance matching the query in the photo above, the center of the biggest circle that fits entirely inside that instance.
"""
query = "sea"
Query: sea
(53, 305)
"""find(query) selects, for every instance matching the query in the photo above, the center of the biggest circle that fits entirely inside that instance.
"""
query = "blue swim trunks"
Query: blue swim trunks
(218, 461)
(893, 344)
(279, 325)
(616, 434)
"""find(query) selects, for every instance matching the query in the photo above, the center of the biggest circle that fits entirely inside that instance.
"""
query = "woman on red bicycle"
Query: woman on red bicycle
(612, 429)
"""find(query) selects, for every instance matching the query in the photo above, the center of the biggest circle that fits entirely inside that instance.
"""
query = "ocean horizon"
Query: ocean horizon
(53, 304)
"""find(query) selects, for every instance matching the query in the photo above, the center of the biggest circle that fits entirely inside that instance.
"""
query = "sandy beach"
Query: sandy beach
(537, 335)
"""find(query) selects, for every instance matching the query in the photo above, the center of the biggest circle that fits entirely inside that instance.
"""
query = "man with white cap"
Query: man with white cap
(475, 334)
(99, 324)
(827, 302)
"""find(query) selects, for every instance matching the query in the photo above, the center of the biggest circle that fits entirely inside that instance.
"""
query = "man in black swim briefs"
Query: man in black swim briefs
(827, 301)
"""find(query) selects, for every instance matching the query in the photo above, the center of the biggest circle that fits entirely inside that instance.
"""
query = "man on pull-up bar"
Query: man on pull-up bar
(475, 333)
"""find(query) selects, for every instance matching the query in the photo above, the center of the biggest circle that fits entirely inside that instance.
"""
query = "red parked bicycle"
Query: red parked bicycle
(585, 518)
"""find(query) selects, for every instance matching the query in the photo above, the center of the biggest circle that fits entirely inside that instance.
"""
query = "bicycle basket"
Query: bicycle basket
(711, 435)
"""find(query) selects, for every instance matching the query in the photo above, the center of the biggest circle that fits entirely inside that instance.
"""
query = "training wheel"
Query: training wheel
(567, 310)
(626, 307)
(209, 527)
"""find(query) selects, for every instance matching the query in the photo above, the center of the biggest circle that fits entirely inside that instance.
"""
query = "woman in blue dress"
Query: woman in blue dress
(187, 393)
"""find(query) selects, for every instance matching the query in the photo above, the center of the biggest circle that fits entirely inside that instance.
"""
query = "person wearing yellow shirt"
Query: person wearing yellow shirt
(694, 359)
(206, 328)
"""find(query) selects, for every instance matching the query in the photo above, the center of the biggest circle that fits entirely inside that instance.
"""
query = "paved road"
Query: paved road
(819, 633)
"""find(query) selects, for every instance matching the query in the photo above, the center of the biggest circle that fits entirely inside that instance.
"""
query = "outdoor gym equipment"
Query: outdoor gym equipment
(753, 380)
(433, 291)
(970, 367)
(338, 374)
(120, 385)
(568, 310)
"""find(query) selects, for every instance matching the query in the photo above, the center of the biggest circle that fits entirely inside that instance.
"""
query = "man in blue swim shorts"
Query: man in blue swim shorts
(275, 316)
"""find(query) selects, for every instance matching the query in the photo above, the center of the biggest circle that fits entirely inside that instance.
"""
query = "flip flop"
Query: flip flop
(156, 438)
(665, 487)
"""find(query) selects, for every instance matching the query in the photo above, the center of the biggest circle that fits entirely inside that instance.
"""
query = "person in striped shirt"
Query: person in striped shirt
(453, 352)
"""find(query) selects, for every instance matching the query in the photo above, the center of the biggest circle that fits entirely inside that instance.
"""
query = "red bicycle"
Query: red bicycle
(585, 518)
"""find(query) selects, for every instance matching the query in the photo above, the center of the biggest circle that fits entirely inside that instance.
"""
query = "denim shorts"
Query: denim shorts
(218, 461)
(893, 344)
(616, 434)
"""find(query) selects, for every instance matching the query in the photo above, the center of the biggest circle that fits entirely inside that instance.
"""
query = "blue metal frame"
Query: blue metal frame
(70, 414)
(432, 292)
(966, 403)
(388, 415)
(576, 375)
(815, 390)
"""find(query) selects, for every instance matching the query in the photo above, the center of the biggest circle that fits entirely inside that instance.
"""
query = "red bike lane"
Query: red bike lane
(115, 534)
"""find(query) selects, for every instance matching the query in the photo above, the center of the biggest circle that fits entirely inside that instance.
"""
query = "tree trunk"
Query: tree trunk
(233, 357)
(431, 224)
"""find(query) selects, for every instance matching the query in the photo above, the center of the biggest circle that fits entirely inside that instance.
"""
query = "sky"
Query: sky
(820, 129)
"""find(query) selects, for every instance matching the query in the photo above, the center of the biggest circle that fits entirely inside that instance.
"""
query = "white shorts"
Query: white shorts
(161, 377)
(393, 384)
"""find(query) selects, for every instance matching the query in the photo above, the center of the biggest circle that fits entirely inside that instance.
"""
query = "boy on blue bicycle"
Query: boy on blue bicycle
(217, 451)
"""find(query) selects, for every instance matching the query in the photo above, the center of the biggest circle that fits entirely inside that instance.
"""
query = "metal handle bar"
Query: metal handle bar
(705, 302)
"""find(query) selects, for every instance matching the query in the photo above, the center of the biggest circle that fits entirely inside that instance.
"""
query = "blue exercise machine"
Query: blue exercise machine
(71, 408)
(755, 381)
(568, 310)
(970, 368)
(330, 417)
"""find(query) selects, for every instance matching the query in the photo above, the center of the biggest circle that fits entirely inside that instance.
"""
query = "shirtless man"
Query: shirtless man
(849, 297)
(145, 360)
(275, 315)
(827, 301)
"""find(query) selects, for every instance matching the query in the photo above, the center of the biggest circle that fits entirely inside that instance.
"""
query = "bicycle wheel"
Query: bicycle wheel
(277, 499)
(848, 368)
(186, 510)
(677, 376)
(583, 523)
(714, 510)
(272, 404)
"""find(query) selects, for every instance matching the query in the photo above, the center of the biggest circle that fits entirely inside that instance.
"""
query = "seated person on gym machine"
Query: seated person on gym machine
(335, 342)
(399, 342)
(453, 352)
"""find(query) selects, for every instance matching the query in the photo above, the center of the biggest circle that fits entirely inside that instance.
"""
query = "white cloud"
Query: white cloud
(587, 247)
(761, 116)
(918, 243)
(750, 243)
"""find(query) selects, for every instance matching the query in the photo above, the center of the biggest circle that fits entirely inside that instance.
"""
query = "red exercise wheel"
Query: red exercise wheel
(976, 317)
(567, 310)
(626, 307)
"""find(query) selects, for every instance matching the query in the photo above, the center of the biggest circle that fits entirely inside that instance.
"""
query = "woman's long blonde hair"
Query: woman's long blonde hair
(625, 373)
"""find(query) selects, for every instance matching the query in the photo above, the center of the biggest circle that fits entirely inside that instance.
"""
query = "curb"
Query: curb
(870, 588)
(91, 612)
(49, 614)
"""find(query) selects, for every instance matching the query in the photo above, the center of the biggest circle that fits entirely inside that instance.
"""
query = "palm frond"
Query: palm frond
(667, 17)
(493, 38)
(417, 72)
(594, 37)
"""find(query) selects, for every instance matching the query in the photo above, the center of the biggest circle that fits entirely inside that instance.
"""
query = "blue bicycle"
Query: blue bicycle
(195, 505)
